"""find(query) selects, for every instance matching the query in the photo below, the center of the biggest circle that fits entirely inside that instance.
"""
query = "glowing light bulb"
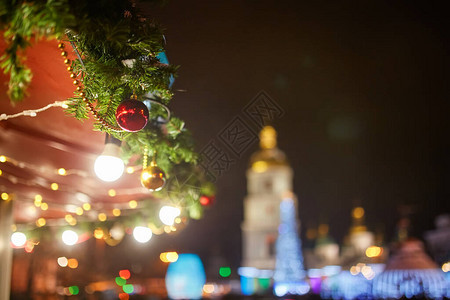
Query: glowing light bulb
(18, 239)
(168, 214)
(142, 234)
(108, 166)
(69, 237)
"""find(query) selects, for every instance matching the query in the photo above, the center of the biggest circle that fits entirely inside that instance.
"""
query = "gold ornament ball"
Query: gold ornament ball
(153, 178)
(64, 53)
(61, 45)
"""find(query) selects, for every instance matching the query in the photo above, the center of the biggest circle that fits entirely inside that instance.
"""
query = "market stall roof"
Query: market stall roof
(33, 149)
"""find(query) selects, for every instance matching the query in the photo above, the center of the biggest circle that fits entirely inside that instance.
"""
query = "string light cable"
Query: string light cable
(34, 112)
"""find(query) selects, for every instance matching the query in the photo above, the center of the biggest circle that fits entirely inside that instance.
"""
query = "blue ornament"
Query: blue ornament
(164, 60)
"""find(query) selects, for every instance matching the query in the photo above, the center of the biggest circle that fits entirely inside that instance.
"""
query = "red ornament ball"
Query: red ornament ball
(132, 115)
(206, 201)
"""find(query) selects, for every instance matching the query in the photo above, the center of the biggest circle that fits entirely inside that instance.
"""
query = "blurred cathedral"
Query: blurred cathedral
(356, 268)
(270, 223)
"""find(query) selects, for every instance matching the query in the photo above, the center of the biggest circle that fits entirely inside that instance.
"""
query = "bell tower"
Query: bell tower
(269, 178)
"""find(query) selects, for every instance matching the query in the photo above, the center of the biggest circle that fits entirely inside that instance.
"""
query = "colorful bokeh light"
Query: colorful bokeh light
(124, 296)
(74, 290)
(125, 274)
(72, 263)
(374, 251)
(120, 281)
(225, 271)
(128, 288)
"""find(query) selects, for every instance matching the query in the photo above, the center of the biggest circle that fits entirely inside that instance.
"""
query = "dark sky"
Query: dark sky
(364, 86)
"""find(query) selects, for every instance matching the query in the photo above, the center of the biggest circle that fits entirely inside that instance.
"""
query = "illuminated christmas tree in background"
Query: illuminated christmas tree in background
(289, 272)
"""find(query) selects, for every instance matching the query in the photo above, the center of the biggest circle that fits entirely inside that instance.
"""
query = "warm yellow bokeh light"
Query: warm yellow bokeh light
(79, 211)
(132, 204)
(208, 288)
(374, 251)
(44, 206)
(358, 212)
(38, 198)
(98, 233)
(354, 270)
(54, 186)
(168, 257)
(13, 227)
(68, 218)
(40, 222)
(163, 257)
(5, 196)
(0, 172)
(446, 267)
(116, 212)
(86, 206)
(62, 171)
(102, 217)
(2, 158)
(72, 263)
(112, 192)
(178, 220)
(172, 256)
(130, 170)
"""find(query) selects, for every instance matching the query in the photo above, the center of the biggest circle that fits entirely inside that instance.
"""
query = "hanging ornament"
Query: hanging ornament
(153, 177)
(115, 236)
(206, 200)
(132, 115)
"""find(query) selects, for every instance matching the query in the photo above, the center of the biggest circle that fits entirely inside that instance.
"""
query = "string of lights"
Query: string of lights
(34, 112)
(43, 169)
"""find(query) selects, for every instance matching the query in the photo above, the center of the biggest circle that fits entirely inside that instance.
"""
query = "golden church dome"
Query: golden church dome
(269, 154)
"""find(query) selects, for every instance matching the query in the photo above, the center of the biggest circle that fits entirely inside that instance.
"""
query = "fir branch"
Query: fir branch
(106, 33)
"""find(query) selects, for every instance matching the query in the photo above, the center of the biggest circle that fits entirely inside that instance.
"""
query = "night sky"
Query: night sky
(364, 86)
